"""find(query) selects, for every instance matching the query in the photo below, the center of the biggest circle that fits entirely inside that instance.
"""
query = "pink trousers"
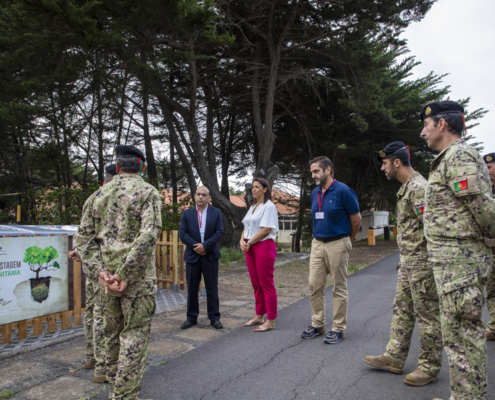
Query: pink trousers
(260, 260)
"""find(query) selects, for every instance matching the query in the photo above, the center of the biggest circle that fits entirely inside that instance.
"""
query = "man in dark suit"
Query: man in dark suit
(201, 228)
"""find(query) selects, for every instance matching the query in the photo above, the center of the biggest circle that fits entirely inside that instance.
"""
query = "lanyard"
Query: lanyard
(323, 195)
(200, 218)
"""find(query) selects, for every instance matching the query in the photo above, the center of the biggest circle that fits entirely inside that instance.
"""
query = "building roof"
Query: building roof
(285, 203)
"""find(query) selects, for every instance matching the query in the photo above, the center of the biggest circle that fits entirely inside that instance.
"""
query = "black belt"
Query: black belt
(331, 239)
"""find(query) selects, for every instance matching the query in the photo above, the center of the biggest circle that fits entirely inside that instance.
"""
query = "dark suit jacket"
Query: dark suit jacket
(189, 233)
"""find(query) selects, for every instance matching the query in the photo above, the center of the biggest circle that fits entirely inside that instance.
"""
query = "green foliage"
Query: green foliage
(230, 255)
(6, 394)
(36, 255)
(61, 206)
(171, 216)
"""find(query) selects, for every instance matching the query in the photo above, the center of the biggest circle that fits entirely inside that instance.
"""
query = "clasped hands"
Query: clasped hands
(200, 249)
(111, 282)
(244, 246)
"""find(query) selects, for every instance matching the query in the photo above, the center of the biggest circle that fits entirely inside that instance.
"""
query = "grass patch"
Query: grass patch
(230, 255)
(7, 394)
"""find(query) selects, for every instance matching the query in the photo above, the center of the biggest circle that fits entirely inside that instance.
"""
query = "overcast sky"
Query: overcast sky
(457, 37)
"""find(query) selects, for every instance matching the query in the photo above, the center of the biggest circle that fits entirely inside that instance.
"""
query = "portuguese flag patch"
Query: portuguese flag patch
(420, 210)
(461, 184)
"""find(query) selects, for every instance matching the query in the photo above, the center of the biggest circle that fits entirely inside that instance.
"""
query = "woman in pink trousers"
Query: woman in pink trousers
(258, 244)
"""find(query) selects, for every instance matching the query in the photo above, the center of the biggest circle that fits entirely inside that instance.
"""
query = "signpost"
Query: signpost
(33, 277)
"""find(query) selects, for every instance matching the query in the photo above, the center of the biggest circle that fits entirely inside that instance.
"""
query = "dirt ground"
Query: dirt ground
(56, 373)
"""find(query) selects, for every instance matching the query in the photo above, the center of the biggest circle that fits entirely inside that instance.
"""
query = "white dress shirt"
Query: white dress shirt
(264, 216)
(202, 222)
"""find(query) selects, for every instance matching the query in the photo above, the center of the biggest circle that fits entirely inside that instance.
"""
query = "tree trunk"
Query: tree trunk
(150, 158)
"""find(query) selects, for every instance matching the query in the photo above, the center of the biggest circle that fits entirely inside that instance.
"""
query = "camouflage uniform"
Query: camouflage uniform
(93, 326)
(119, 234)
(490, 294)
(93, 317)
(458, 221)
(416, 298)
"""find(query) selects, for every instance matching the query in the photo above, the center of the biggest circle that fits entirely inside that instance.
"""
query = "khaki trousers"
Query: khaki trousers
(329, 258)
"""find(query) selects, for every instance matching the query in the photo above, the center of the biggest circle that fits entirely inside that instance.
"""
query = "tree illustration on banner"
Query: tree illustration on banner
(41, 259)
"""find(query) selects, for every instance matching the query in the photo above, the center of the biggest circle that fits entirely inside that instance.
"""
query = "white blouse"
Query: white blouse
(265, 216)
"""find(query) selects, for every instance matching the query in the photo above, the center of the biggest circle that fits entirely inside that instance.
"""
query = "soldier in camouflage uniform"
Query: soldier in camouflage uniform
(416, 298)
(459, 229)
(93, 316)
(117, 238)
(490, 284)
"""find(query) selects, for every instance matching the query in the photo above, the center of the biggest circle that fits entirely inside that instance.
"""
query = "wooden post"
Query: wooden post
(181, 266)
(164, 259)
(371, 237)
(22, 330)
(77, 291)
(6, 334)
(174, 253)
(52, 323)
(65, 320)
(37, 327)
(394, 229)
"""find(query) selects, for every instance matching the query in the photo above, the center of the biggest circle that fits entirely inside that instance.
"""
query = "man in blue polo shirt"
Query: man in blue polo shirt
(336, 222)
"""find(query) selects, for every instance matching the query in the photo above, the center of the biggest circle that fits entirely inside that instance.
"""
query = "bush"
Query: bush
(230, 255)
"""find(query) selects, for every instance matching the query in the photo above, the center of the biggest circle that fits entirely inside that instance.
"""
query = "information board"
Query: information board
(33, 277)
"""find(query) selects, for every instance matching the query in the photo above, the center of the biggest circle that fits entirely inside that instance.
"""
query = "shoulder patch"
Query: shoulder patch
(420, 210)
(464, 185)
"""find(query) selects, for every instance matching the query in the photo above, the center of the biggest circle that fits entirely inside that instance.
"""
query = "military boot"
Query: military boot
(490, 335)
(100, 378)
(419, 378)
(88, 365)
(383, 362)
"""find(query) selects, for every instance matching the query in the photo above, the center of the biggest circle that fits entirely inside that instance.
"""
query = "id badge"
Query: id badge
(320, 215)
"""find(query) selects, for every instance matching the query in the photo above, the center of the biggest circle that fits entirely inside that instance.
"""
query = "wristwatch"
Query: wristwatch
(249, 241)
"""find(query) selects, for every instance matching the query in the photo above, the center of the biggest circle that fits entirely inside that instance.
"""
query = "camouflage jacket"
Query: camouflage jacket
(119, 231)
(410, 208)
(85, 269)
(459, 212)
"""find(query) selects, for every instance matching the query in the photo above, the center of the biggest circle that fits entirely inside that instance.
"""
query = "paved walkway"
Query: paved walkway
(242, 364)
(166, 300)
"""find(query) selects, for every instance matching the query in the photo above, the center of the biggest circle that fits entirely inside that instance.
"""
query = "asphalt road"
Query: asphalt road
(279, 364)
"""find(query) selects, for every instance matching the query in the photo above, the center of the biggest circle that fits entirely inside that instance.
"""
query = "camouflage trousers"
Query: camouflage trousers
(416, 299)
(93, 327)
(464, 341)
(490, 299)
(127, 322)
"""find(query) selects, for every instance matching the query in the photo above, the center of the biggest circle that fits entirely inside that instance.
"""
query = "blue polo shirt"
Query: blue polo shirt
(339, 202)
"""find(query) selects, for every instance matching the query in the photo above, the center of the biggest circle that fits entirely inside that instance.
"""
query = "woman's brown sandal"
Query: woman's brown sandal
(253, 323)
(260, 329)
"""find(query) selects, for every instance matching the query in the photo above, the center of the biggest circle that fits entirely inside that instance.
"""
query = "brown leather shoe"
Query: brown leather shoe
(490, 335)
(383, 362)
(419, 378)
(89, 366)
(100, 379)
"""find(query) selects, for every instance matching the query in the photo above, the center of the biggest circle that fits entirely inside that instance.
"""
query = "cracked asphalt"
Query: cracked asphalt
(242, 364)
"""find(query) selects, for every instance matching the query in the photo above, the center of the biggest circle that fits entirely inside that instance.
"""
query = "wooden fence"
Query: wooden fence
(170, 261)
(170, 272)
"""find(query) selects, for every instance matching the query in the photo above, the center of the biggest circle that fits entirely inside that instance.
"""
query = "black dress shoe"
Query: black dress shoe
(216, 324)
(188, 324)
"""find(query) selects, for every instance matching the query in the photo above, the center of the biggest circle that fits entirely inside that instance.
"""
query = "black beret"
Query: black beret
(129, 151)
(390, 150)
(111, 169)
(489, 158)
(441, 107)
